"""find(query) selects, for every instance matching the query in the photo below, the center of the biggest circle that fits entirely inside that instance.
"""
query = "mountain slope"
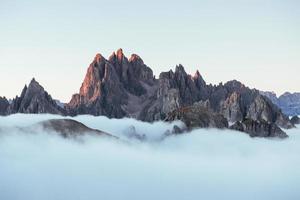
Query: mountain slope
(119, 87)
(34, 99)
(289, 103)
(3, 105)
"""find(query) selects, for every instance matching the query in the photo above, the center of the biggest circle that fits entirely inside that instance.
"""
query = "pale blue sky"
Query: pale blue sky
(257, 42)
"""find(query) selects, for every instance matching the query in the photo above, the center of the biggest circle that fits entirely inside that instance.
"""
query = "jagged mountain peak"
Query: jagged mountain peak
(286, 94)
(120, 54)
(136, 58)
(180, 69)
(34, 84)
(33, 81)
(99, 58)
(197, 74)
(34, 99)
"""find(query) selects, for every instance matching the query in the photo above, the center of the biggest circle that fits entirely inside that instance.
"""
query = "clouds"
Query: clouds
(206, 164)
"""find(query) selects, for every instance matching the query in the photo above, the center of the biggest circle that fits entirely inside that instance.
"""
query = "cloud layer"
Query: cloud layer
(205, 164)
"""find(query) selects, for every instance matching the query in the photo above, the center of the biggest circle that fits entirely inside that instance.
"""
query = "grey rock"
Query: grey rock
(121, 87)
(3, 105)
(177, 130)
(259, 128)
(34, 99)
(289, 103)
(196, 116)
(69, 128)
(295, 120)
(231, 108)
(262, 109)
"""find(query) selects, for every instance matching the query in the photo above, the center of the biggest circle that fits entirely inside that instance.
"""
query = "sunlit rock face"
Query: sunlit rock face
(34, 99)
(116, 87)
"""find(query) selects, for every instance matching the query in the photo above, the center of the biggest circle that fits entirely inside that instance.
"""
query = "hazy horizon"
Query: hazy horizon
(254, 42)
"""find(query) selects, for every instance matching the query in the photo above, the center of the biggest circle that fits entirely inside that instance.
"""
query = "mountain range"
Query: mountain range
(288, 102)
(119, 87)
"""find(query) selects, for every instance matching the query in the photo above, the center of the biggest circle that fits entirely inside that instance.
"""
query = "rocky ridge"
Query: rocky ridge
(120, 87)
(34, 99)
(289, 103)
(70, 128)
(3, 105)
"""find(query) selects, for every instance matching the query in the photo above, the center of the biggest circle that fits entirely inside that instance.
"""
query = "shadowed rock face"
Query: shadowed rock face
(262, 109)
(197, 116)
(259, 128)
(289, 103)
(295, 120)
(3, 105)
(70, 128)
(34, 99)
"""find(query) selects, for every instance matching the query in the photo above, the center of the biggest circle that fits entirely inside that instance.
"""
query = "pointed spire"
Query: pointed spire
(23, 91)
(32, 80)
(120, 55)
(98, 58)
(135, 58)
(197, 74)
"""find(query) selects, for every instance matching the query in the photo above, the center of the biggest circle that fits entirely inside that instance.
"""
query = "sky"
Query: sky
(256, 42)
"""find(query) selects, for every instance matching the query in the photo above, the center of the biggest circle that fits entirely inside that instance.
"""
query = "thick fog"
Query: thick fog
(204, 164)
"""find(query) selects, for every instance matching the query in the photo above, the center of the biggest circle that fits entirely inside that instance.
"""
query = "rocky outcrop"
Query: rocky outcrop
(295, 120)
(259, 128)
(3, 105)
(175, 90)
(262, 109)
(289, 103)
(34, 99)
(101, 92)
(116, 87)
(70, 128)
(197, 116)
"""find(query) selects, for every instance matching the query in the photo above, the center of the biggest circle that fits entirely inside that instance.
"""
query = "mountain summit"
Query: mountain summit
(34, 99)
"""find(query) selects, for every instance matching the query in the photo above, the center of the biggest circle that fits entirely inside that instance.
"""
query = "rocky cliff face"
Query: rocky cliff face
(295, 120)
(116, 87)
(34, 99)
(257, 128)
(289, 103)
(119, 87)
(3, 105)
(198, 116)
